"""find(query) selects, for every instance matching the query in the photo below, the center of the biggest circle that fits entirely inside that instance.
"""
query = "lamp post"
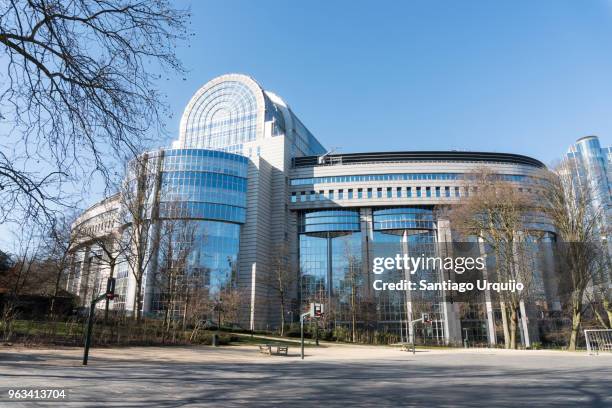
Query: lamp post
(218, 307)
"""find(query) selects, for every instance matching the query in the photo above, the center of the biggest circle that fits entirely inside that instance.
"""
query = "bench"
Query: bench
(267, 349)
(406, 347)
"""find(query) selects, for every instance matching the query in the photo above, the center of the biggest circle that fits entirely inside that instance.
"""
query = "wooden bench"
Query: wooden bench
(265, 349)
(282, 349)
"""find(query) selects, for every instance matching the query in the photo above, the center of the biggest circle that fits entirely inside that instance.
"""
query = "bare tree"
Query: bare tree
(602, 290)
(569, 205)
(199, 309)
(20, 276)
(281, 281)
(59, 245)
(138, 215)
(352, 282)
(231, 300)
(499, 214)
(78, 88)
(177, 239)
(108, 248)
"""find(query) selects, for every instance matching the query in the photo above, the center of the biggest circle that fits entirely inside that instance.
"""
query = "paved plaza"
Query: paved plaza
(334, 375)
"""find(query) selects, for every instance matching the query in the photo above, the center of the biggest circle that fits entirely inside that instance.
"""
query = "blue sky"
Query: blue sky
(525, 77)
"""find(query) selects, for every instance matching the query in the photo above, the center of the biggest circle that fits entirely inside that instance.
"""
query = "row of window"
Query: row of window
(381, 192)
(348, 220)
(252, 117)
(211, 211)
(175, 179)
(207, 164)
(184, 153)
(398, 177)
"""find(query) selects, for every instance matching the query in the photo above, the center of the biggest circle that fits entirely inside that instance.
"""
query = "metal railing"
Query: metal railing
(598, 341)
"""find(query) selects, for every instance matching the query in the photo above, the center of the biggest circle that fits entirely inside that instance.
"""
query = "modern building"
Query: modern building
(591, 166)
(258, 186)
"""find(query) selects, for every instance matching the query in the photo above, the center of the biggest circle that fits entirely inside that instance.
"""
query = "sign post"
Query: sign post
(110, 295)
(302, 317)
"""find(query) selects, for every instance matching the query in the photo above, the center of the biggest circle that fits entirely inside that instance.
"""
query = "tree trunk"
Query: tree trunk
(608, 307)
(504, 315)
(353, 315)
(106, 306)
(600, 318)
(576, 318)
(282, 311)
(513, 327)
(55, 292)
(138, 300)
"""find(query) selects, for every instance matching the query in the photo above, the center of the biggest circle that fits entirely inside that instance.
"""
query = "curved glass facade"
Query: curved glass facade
(222, 117)
(202, 203)
(206, 259)
(328, 220)
(203, 184)
(400, 218)
(330, 258)
(590, 164)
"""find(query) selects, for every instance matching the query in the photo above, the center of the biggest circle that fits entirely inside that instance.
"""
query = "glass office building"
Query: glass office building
(252, 182)
(591, 165)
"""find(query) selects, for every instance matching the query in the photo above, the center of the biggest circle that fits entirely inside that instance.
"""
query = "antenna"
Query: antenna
(321, 159)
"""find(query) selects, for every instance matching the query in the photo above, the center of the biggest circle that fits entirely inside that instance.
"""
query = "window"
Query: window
(331, 194)
(466, 191)
(379, 192)
(369, 193)
(437, 191)
(389, 192)
(350, 193)
(312, 196)
(446, 191)
(321, 195)
(302, 196)
(418, 192)
(293, 197)
(409, 192)
(359, 193)
(398, 192)
(341, 194)
(457, 192)
(428, 191)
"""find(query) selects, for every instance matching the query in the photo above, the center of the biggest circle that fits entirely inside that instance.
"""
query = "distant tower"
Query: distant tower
(592, 166)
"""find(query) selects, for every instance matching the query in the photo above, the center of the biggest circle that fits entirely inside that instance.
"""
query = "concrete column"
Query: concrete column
(452, 323)
(524, 325)
(253, 287)
(148, 281)
(408, 293)
(365, 218)
(488, 303)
